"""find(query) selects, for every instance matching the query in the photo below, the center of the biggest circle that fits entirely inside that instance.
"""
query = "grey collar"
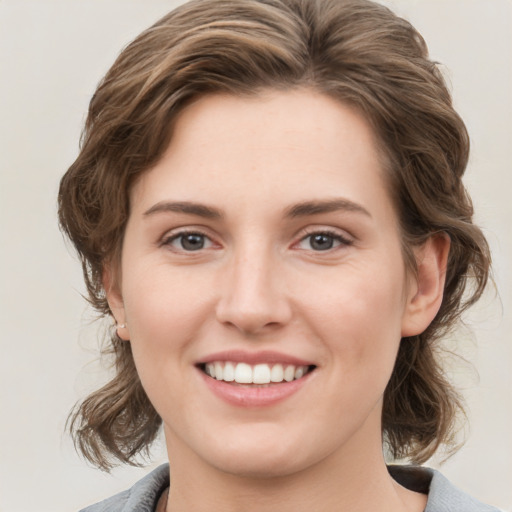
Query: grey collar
(442, 495)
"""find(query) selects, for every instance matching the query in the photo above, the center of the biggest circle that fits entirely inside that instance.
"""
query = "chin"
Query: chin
(260, 467)
(262, 456)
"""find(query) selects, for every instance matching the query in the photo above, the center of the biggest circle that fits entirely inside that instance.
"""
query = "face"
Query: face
(263, 285)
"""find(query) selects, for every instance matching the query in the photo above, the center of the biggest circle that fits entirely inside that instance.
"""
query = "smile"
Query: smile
(262, 373)
(255, 379)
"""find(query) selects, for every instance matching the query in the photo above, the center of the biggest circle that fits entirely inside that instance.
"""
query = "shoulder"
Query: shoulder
(142, 497)
(443, 496)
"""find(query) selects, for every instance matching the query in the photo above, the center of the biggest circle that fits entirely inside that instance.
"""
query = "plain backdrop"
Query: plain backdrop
(52, 55)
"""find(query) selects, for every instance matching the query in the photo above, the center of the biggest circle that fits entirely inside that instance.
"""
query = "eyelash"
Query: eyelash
(168, 240)
(335, 236)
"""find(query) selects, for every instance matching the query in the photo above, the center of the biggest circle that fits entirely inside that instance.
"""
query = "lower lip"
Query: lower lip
(253, 395)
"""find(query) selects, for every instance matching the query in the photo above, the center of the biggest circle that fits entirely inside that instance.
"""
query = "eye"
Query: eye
(323, 241)
(188, 241)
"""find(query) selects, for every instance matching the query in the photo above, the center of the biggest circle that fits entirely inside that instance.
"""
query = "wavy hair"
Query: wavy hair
(355, 51)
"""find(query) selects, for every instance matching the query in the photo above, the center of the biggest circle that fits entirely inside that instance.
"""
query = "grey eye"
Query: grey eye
(321, 242)
(191, 241)
(188, 242)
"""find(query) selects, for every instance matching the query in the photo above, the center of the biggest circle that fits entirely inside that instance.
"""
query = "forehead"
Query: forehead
(291, 146)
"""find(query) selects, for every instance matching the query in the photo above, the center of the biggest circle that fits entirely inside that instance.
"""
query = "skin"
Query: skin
(258, 284)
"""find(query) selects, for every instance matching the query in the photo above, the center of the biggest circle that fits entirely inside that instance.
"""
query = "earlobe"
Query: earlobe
(115, 302)
(426, 293)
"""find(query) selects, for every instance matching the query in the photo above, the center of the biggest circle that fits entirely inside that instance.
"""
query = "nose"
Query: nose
(253, 294)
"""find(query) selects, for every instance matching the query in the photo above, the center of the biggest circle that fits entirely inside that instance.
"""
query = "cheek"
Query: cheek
(163, 319)
(363, 299)
(358, 319)
(156, 295)
(164, 311)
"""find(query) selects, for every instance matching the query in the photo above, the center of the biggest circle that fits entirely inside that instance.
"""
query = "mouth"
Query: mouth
(255, 379)
(254, 375)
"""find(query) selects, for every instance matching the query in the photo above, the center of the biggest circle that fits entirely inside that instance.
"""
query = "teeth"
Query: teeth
(277, 373)
(299, 372)
(289, 373)
(244, 373)
(261, 374)
(229, 372)
(210, 369)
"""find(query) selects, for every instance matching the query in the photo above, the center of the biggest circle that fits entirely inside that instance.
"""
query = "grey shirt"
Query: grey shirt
(442, 495)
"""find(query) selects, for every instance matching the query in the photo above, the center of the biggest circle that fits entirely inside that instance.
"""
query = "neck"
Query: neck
(355, 479)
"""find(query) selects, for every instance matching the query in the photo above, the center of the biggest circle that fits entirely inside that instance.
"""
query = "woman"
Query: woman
(268, 203)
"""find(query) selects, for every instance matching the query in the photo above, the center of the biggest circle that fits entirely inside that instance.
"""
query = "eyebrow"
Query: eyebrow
(324, 206)
(187, 207)
(303, 209)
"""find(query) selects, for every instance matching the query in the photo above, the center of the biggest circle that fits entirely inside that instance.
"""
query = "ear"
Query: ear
(115, 301)
(427, 286)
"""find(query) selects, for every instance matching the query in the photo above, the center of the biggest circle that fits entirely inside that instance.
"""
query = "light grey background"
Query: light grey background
(52, 54)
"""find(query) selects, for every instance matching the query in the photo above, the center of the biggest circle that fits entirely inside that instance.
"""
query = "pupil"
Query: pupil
(321, 242)
(192, 242)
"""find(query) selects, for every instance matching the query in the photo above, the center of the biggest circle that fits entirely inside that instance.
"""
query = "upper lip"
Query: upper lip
(261, 357)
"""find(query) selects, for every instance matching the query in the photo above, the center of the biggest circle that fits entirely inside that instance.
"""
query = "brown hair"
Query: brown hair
(356, 51)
